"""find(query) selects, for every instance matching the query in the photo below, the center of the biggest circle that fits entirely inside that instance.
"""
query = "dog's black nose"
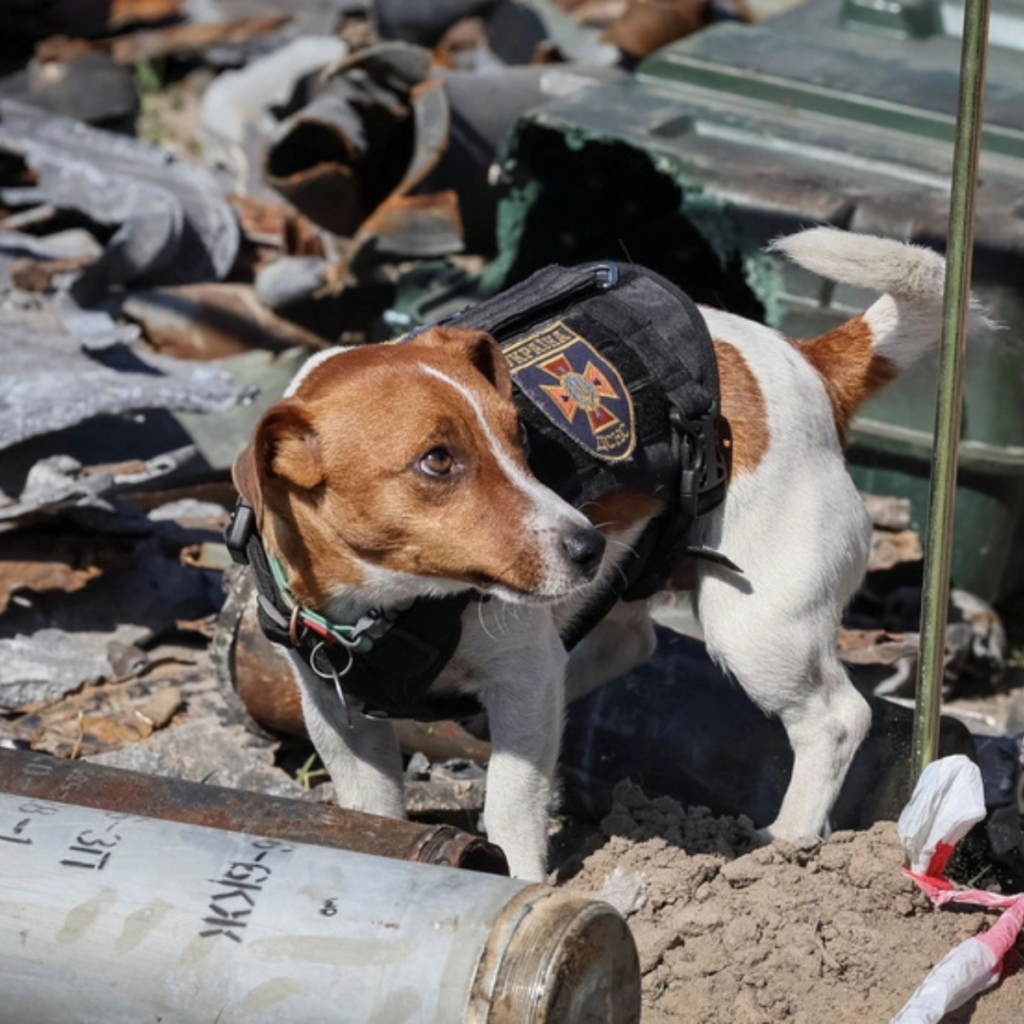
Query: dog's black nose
(585, 548)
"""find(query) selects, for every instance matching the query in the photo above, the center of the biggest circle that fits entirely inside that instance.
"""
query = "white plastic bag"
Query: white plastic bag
(947, 802)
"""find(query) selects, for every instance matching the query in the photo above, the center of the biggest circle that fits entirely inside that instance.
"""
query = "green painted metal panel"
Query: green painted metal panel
(740, 133)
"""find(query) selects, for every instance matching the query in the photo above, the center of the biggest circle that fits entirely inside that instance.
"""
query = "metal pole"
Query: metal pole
(956, 306)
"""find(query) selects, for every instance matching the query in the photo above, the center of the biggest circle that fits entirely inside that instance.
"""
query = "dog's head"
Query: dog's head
(399, 470)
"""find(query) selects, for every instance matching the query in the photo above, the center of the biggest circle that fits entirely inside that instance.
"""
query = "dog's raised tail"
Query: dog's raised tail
(859, 358)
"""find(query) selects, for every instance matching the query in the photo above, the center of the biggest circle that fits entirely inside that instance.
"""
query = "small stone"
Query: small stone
(625, 890)
(743, 872)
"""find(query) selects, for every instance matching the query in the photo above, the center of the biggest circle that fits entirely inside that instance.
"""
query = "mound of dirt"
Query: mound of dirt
(733, 933)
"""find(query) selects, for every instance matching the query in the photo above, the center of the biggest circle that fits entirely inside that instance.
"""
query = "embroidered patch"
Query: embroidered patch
(578, 390)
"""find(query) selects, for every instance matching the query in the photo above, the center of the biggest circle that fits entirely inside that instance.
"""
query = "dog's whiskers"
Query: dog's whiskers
(627, 548)
(483, 625)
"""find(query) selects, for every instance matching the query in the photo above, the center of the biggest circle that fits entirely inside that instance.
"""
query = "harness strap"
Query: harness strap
(384, 666)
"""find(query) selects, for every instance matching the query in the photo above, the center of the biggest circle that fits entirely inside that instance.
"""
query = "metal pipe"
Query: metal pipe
(111, 918)
(956, 306)
(40, 777)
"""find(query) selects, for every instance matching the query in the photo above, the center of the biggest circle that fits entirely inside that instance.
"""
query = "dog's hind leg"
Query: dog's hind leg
(774, 629)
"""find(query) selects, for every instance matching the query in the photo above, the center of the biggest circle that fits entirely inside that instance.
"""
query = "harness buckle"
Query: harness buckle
(294, 625)
(606, 275)
(241, 526)
(702, 465)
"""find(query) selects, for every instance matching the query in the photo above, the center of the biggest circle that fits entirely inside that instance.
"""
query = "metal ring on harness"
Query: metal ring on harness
(293, 625)
(334, 675)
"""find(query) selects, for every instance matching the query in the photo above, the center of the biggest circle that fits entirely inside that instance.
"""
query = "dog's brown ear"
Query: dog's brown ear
(478, 348)
(284, 446)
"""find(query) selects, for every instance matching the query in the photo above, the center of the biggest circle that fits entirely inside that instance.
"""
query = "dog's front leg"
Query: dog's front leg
(362, 758)
(525, 708)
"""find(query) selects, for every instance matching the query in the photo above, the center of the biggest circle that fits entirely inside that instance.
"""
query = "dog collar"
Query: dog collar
(381, 666)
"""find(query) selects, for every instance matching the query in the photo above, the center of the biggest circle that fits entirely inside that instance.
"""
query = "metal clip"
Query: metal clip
(334, 676)
(240, 528)
(606, 275)
(374, 624)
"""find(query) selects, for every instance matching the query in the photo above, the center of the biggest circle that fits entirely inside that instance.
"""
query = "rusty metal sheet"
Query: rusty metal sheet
(424, 24)
(876, 646)
(416, 227)
(314, 158)
(56, 641)
(42, 263)
(306, 18)
(183, 40)
(889, 549)
(408, 224)
(100, 718)
(71, 243)
(887, 513)
(171, 223)
(34, 275)
(237, 110)
(276, 226)
(40, 561)
(648, 25)
(191, 40)
(210, 321)
(61, 482)
(355, 143)
(38, 18)
(273, 230)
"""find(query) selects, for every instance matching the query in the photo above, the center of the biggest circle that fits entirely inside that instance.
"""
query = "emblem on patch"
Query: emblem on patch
(576, 388)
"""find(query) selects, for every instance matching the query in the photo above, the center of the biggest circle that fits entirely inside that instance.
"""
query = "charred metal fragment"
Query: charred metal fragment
(172, 224)
(39, 18)
(61, 481)
(49, 383)
(85, 85)
(210, 321)
(237, 116)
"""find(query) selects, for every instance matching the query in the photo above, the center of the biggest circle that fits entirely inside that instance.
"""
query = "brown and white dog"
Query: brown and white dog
(389, 473)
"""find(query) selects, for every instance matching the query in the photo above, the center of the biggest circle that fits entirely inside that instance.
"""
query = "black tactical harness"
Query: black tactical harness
(616, 384)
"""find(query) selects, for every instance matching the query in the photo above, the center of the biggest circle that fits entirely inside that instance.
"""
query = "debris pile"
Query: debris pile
(197, 196)
(194, 198)
(730, 934)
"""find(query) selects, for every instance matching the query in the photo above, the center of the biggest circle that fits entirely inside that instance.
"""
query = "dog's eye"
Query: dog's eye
(437, 462)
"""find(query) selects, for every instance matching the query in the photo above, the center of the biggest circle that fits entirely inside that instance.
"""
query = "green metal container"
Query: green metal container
(833, 113)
